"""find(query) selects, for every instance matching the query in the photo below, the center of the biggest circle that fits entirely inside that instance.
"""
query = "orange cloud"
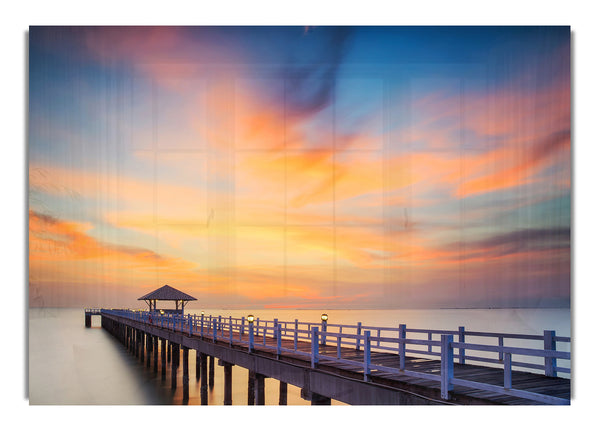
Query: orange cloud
(520, 166)
(51, 239)
(492, 141)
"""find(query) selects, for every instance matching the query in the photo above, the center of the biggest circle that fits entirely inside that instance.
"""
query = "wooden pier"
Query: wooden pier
(355, 364)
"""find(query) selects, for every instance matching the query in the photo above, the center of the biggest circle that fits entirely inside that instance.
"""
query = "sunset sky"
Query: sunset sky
(325, 167)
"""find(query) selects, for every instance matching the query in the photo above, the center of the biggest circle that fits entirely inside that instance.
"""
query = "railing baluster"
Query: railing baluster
(250, 336)
(358, 330)
(402, 345)
(500, 344)
(447, 365)
(550, 344)
(278, 341)
(339, 342)
(215, 327)
(461, 339)
(295, 335)
(507, 371)
(314, 356)
(230, 331)
(367, 360)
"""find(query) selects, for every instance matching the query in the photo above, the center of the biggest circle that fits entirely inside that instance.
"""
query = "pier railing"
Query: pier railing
(499, 350)
(93, 310)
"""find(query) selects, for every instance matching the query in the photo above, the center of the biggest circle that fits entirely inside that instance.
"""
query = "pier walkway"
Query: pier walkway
(357, 364)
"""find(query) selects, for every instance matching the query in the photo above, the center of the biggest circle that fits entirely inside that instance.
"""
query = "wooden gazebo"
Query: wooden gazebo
(167, 293)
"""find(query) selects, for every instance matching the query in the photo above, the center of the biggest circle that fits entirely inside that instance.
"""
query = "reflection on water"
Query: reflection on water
(72, 364)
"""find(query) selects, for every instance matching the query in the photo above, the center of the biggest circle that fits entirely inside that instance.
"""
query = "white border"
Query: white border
(583, 20)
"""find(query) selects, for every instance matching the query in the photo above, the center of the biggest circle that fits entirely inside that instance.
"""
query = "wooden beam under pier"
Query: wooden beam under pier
(203, 380)
(186, 376)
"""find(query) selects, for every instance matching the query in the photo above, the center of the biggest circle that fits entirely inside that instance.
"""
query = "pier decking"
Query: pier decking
(355, 364)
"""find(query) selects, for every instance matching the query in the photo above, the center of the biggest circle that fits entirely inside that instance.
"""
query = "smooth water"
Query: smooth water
(72, 364)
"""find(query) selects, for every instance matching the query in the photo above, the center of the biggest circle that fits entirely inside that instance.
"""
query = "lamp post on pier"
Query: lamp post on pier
(324, 318)
(250, 333)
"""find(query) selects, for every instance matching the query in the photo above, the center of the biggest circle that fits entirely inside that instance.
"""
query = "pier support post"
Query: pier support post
(197, 365)
(203, 380)
(211, 371)
(141, 344)
(163, 358)
(155, 350)
(169, 351)
(227, 399)
(283, 393)
(260, 389)
(148, 349)
(136, 342)
(251, 390)
(186, 375)
(174, 366)
(88, 320)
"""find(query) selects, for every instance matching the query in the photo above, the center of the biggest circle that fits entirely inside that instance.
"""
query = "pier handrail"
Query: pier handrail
(268, 334)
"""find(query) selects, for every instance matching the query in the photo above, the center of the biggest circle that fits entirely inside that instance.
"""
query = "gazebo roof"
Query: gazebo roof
(167, 293)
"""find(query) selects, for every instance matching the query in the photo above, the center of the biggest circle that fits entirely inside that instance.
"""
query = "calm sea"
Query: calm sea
(71, 364)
